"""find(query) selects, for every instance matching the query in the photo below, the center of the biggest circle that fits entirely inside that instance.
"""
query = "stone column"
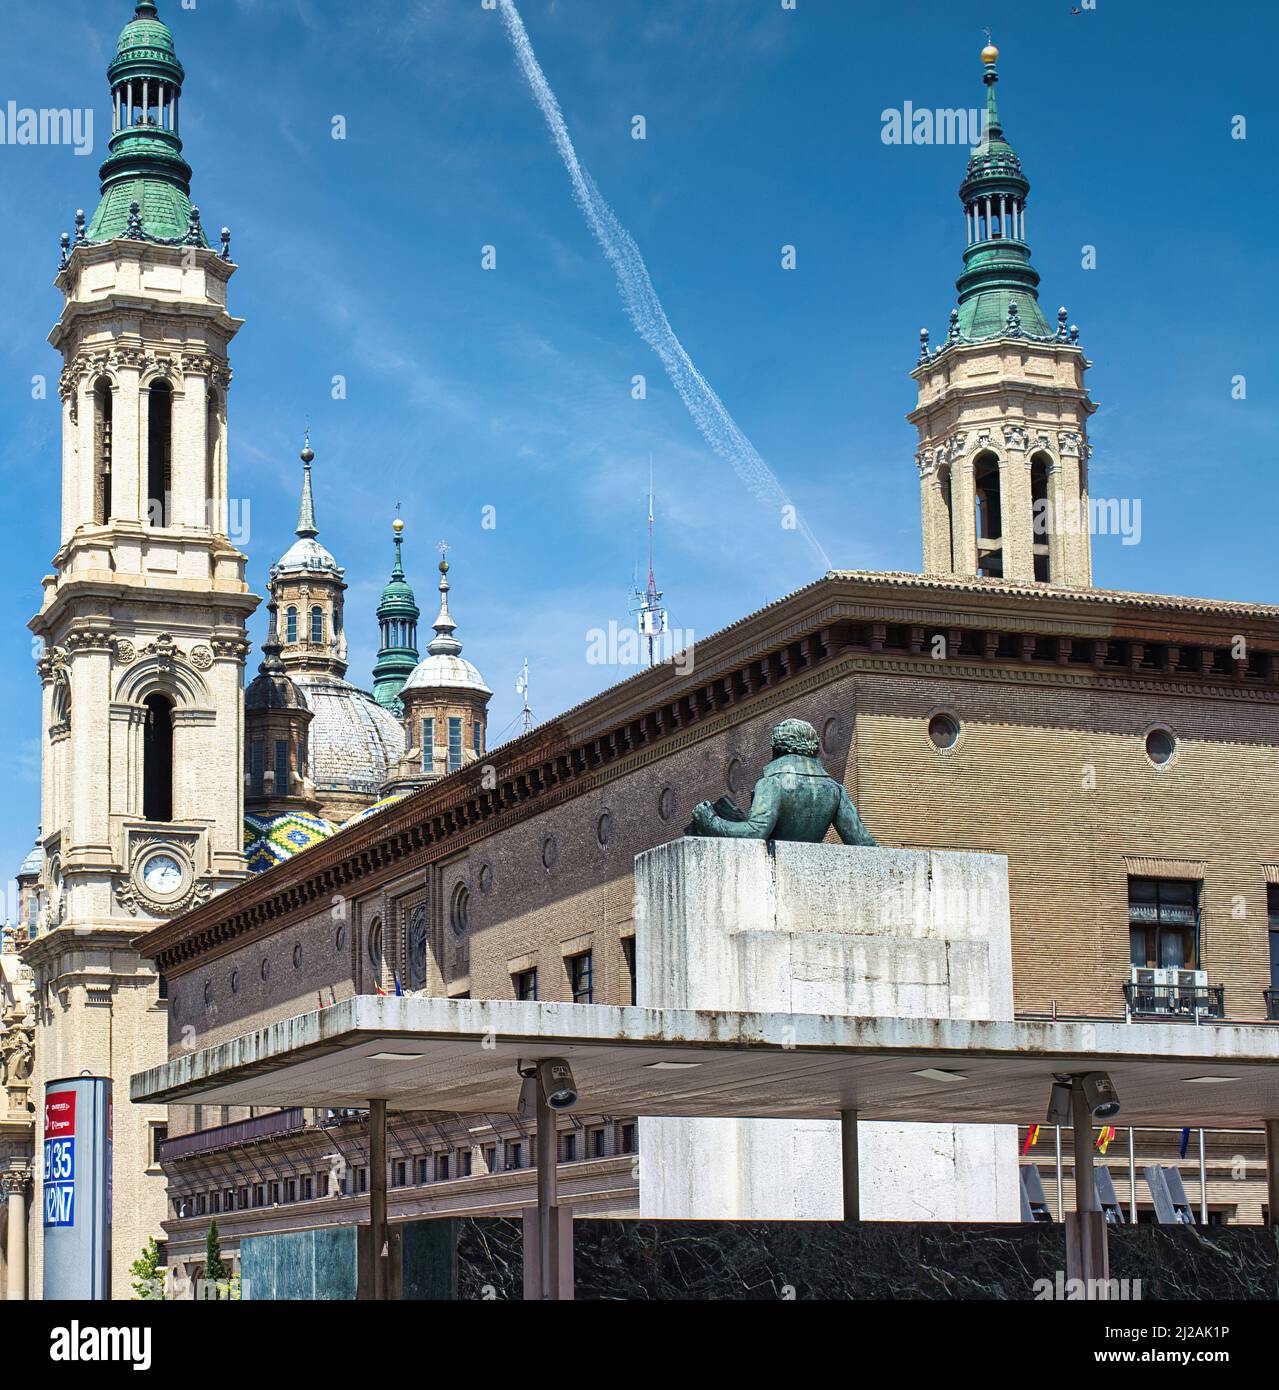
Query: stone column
(963, 518)
(14, 1187)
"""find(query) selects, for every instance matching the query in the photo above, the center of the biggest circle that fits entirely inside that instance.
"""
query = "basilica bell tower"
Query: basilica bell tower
(1003, 410)
(142, 626)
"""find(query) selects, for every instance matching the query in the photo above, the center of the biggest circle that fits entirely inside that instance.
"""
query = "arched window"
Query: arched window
(947, 512)
(157, 760)
(103, 407)
(1041, 516)
(159, 452)
(317, 625)
(990, 554)
(291, 625)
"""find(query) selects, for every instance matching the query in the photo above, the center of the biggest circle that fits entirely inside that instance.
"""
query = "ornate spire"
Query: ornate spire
(306, 528)
(999, 286)
(145, 164)
(397, 623)
(444, 643)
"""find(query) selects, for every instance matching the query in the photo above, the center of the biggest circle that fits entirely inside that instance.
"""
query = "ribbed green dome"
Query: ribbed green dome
(397, 623)
(146, 47)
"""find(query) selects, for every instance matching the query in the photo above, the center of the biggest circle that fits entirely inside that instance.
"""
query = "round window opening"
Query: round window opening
(550, 853)
(733, 777)
(208, 993)
(1160, 746)
(460, 909)
(235, 982)
(265, 968)
(339, 939)
(297, 956)
(666, 803)
(830, 735)
(375, 944)
(486, 878)
(604, 829)
(943, 730)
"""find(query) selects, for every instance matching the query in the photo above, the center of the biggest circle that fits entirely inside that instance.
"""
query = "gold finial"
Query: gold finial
(989, 54)
(397, 525)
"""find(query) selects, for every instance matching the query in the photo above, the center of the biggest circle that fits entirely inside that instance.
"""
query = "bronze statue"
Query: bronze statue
(795, 799)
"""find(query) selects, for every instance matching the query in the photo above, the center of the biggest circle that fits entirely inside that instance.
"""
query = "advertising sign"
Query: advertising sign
(77, 1188)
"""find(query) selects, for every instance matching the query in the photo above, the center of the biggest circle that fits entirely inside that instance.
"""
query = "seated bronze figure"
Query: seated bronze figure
(795, 799)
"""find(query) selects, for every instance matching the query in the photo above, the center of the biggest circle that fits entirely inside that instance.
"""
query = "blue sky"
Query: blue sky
(511, 388)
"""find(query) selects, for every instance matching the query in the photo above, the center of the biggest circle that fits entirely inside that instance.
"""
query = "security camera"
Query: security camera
(1099, 1092)
(556, 1079)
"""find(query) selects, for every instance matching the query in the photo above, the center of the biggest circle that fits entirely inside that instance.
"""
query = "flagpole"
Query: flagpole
(1132, 1179)
(1061, 1201)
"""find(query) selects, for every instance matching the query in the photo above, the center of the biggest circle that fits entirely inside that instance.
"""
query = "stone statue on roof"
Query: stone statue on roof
(795, 798)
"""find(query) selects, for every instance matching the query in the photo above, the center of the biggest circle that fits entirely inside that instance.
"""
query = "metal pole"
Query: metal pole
(1272, 1171)
(1132, 1178)
(849, 1165)
(377, 1194)
(1203, 1181)
(1085, 1184)
(1061, 1197)
(547, 1213)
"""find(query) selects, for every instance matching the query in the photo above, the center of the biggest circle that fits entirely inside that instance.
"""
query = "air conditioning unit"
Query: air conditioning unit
(1190, 987)
(1147, 978)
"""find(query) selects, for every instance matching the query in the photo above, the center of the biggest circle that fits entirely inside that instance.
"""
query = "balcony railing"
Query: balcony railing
(1272, 1002)
(1176, 1001)
(238, 1132)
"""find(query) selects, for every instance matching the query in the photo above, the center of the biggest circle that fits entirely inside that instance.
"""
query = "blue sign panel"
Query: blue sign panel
(59, 1182)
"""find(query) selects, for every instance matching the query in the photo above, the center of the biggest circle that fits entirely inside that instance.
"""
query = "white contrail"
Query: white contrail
(718, 427)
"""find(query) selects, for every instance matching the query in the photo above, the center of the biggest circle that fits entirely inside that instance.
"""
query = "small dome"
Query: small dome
(306, 553)
(146, 44)
(33, 863)
(374, 809)
(272, 690)
(270, 840)
(446, 672)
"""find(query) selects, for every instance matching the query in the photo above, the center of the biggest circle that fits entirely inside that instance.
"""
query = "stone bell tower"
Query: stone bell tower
(1003, 409)
(142, 623)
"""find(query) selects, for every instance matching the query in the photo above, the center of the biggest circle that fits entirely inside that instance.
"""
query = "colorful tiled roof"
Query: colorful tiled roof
(270, 840)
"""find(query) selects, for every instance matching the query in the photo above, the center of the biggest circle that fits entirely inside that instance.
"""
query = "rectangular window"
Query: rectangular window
(442, 1168)
(1272, 906)
(468, 1162)
(595, 1142)
(581, 974)
(428, 744)
(215, 1202)
(257, 766)
(401, 1172)
(424, 1170)
(259, 1194)
(490, 1158)
(525, 984)
(290, 1189)
(628, 953)
(514, 1154)
(1163, 922)
(475, 738)
(273, 1193)
(159, 1133)
(307, 1189)
(281, 767)
(628, 1137)
(455, 743)
(568, 1148)
(317, 625)
(361, 1179)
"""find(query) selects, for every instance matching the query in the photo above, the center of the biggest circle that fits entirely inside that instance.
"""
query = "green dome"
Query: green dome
(146, 48)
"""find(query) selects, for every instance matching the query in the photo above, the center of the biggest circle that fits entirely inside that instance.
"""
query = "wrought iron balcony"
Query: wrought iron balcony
(1175, 1001)
(238, 1132)
(1272, 1002)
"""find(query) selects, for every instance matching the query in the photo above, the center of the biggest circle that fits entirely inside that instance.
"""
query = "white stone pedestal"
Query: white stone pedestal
(740, 925)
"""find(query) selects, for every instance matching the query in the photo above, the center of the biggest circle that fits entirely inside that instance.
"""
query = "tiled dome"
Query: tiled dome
(270, 840)
(353, 740)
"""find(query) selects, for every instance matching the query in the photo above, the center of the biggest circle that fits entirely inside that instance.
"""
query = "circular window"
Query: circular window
(604, 829)
(550, 853)
(265, 968)
(235, 982)
(460, 909)
(486, 878)
(1160, 746)
(830, 735)
(733, 776)
(666, 803)
(297, 956)
(339, 938)
(943, 730)
(208, 993)
(375, 944)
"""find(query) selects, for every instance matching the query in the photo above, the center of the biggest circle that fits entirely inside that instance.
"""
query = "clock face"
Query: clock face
(162, 874)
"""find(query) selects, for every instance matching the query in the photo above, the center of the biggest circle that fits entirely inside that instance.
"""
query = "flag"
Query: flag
(1032, 1138)
(1105, 1137)
(398, 989)
(320, 998)
(333, 998)
(379, 988)
(1185, 1140)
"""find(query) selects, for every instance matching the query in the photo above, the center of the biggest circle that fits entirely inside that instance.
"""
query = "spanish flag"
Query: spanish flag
(1105, 1137)
(1032, 1138)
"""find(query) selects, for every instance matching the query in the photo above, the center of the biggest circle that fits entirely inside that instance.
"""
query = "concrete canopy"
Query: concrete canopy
(460, 1055)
